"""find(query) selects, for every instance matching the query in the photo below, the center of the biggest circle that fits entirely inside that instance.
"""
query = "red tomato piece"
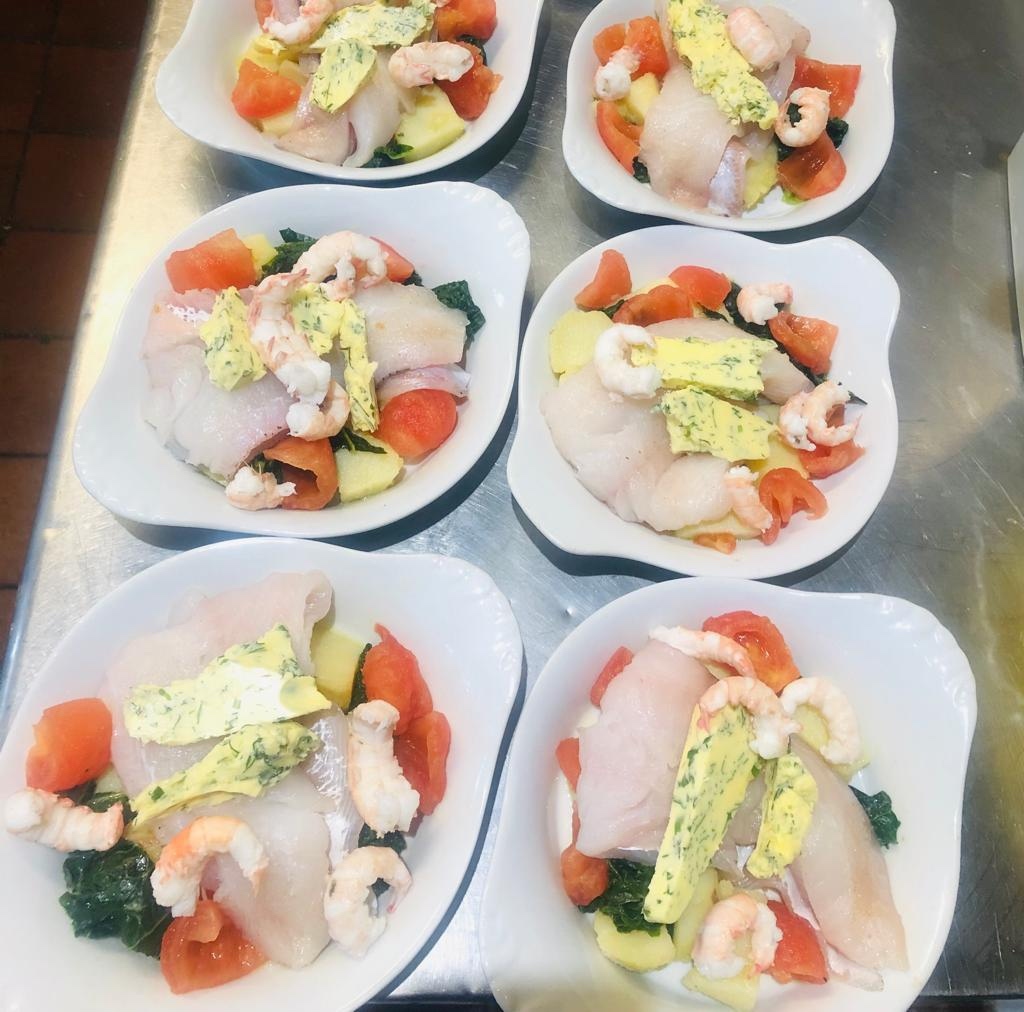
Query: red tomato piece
(767, 647)
(722, 542)
(784, 492)
(259, 92)
(813, 171)
(704, 286)
(264, 8)
(418, 421)
(399, 269)
(567, 754)
(840, 80)
(619, 137)
(310, 464)
(72, 745)
(392, 673)
(478, 18)
(219, 262)
(798, 955)
(644, 37)
(808, 340)
(824, 461)
(206, 950)
(609, 40)
(470, 94)
(666, 302)
(611, 282)
(612, 669)
(583, 878)
(422, 752)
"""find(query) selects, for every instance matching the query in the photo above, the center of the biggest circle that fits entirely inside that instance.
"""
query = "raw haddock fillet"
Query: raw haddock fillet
(327, 770)
(794, 39)
(619, 449)
(208, 427)
(317, 134)
(630, 757)
(407, 327)
(842, 873)
(374, 112)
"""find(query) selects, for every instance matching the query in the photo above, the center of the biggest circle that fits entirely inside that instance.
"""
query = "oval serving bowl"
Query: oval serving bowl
(539, 952)
(195, 81)
(858, 31)
(461, 628)
(117, 454)
(832, 278)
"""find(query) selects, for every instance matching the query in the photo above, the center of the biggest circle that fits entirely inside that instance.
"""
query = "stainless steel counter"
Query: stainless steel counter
(949, 534)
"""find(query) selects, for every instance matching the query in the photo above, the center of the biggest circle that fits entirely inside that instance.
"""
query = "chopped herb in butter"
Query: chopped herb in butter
(343, 67)
(230, 355)
(318, 317)
(789, 799)
(698, 422)
(378, 24)
(359, 370)
(730, 368)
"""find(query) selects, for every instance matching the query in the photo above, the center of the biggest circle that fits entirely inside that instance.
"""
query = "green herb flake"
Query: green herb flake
(391, 153)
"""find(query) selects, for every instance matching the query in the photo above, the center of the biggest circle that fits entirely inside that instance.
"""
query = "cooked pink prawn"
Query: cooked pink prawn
(813, 106)
(179, 869)
(793, 424)
(344, 254)
(707, 646)
(772, 727)
(59, 823)
(417, 65)
(307, 421)
(754, 40)
(616, 372)
(714, 951)
(843, 745)
(257, 490)
(613, 79)
(759, 303)
(746, 504)
(311, 18)
(819, 404)
(350, 906)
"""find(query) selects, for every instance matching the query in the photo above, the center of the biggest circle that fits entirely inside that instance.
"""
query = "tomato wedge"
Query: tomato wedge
(612, 669)
(761, 638)
(824, 461)
(810, 341)
(609, 40)
(840, 80)
(583, 878)
(644, 37)
(813, 171)
(417, 422)
(259, 92)
(723, 542)
(422, 752)
(478, 18)
(619, 137)
(784, 492)
(72, 745)
(611, 282)
(471, 93)
(666, 302)
(399, 269)
(206, 950)
(567, 754)
(264, 8)
(310, 464)
(222, 261)
(798, 955)
(392, 673)
(704, 286)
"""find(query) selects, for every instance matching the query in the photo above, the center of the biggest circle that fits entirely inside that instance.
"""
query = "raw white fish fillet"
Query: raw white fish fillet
(407, 327)
(842, 873)
(327, 770)
(725, 194)
(629, 758)
(451, 378)
(619, 449)
(374, 112)
(318, 134)
(793, 39)
(683, 140)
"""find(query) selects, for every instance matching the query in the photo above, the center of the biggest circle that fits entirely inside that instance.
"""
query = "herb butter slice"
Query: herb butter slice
(230, 355)
(344, 66)
(789, 799)
(359, 370)
(378, 24)
(730, 368)
(699, 422)
(319, 318)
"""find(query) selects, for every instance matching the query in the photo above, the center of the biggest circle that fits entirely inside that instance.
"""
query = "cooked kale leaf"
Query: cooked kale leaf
(623, 900)
(349, 440)
(878, 808)
(85, 794)
(640, 173)
(836, 129)
(456, 295)
(358, 685)
(369, 838)
(611, 310)
(293, 244)
(387, 154)
(414, 279)
(109, 896)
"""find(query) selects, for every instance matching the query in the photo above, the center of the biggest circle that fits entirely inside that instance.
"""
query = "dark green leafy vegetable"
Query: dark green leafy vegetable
(369, 838)
(783, 150)
(358, 685)
(878, 808)
(474, 41)
(349, 440)
(414, 279)
(391, 153)
(640, 173)
(293, 244)
(836, 129)
(109, 896)
(794, 114)
(85, 794)
(623, 900)
(456, 295)
(611, 310)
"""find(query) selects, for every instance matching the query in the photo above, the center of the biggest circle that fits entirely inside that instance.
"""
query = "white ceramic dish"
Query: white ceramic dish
(832, 278)
(462, 630)
(539, 951)
(117, 454)
(195, 81)
(856, 31)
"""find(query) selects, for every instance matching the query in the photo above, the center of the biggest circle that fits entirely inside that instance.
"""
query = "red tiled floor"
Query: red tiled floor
(84, 90)
(34, 372)
(75, 168)
(11, 147)
(44, 276)
(100, 22)
(34, 21)
(7, 598)
(21, 478)
(22, 77)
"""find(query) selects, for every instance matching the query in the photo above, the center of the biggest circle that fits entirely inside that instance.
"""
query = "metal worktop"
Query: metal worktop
(949, 534)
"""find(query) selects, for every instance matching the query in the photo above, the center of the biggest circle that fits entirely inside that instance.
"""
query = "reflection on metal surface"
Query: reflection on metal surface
(949, 534)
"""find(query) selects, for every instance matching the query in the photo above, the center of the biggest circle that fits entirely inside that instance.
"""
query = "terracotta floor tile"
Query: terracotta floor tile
(34, 371)
(11, 147)
(84, 90)
(8, 596)
(45, 274)
(34, 21)
(22, 78)
(100, 22)
(21, 479)
(63, 181)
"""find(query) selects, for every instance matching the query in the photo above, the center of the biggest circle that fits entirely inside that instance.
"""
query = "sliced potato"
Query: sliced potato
(572, 340)
(684, 931)
(361, 474)
(335, 659)
(633, 950)
(738, 993)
